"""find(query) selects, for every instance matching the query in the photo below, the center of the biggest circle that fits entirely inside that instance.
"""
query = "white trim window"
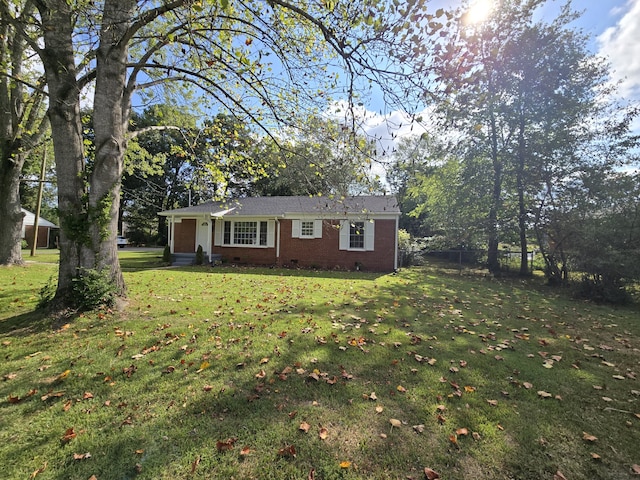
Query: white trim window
(245, 233)
(306, 228)
(357, 235)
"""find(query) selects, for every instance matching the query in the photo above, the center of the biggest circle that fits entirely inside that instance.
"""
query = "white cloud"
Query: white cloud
(385, 130)
(621, 45)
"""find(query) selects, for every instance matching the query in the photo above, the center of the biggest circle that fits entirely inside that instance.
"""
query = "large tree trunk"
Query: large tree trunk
(10, 211)
(111, 115)
(522, 210)
(493, 262)
(66, 130)
(19, 132)
(88, 216)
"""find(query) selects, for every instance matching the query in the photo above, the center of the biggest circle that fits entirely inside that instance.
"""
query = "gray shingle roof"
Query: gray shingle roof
(280, 206)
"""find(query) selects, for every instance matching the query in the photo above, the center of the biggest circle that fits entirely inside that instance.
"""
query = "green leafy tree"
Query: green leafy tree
(266, 61)
(23, 124)
(323, 157)
(525, 96)
(174, 167)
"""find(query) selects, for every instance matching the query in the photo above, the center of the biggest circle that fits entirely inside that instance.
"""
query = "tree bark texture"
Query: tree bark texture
(112, 104)
(66, 130)
(10, 210)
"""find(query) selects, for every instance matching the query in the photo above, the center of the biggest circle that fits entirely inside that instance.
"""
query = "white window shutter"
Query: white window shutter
(369, 234)
(217, 235)
(317, 229)
(344, 234)
(271, 233)
(295, 228)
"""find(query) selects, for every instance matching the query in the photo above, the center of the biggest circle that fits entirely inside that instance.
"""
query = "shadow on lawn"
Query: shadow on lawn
(180, 439)
(284, 272)
(33, 322)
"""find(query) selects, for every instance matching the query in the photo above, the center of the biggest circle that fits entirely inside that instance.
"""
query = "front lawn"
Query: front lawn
(275, 374)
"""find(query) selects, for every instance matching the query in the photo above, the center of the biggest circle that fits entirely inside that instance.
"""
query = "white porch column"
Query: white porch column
(211, 223)
(172, 231)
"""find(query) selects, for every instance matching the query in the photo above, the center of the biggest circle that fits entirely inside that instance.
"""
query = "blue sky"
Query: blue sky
(613, 25)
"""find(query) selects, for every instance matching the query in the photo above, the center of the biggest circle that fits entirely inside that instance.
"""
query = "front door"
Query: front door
(203, 235)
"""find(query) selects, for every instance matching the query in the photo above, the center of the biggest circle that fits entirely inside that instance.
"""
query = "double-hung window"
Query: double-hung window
(356, 235)
(306, 228)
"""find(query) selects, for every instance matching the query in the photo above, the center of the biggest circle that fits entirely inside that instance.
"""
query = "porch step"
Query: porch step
(186, 259)
(183, 259)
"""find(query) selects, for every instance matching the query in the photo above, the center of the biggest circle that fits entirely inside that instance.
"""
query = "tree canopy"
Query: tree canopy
(264, 61)
(530, 111)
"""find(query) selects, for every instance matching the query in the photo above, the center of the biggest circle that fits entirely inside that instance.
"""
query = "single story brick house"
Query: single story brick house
(47, 231)
(359, 232)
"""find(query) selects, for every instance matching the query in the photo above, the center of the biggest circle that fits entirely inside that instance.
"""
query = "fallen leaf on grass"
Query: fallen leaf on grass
(635, 468)
(589, 438)
(288, 451)
(431, 474)
(401, 389)
(395, 422)
(39, 470)
(559, 476)
(543, 394)
(81, 456)
(379, 409)
(245, 451)
(195, 464)
(226, 445)
(595, 456)
(323, 433)
(418, 428)
(69, 435)
(462, 431)
(345, 464)
(50, 394)
(493, 403)
(304, 427)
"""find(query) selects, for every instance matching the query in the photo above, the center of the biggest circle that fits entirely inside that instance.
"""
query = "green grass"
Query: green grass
(201, 356)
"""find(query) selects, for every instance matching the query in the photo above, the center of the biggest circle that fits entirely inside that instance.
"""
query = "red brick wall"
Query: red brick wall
(185, 236)
(43, 236)
(325, 253)
(308, 253)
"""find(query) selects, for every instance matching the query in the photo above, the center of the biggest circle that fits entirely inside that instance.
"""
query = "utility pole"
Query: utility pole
(39, 202)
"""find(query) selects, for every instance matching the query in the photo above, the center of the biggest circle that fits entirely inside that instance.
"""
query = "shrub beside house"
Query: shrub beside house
(311, 232)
